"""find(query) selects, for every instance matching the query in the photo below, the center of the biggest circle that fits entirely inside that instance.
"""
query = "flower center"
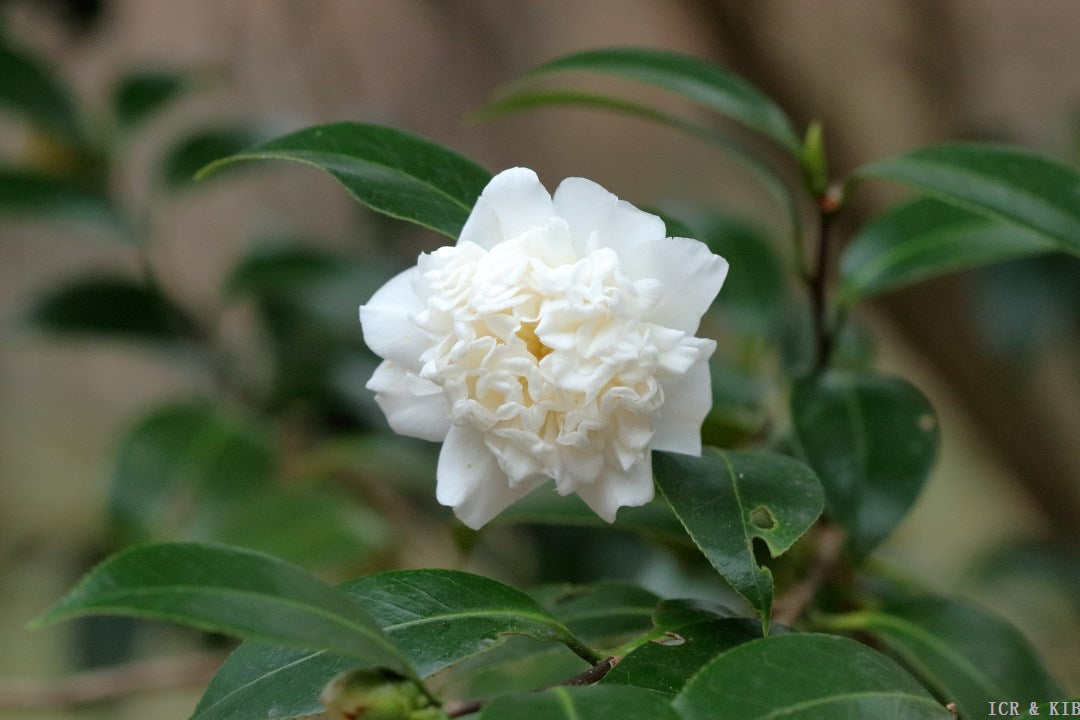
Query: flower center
(528, 333)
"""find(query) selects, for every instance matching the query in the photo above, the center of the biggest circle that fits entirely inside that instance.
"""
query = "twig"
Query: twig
(95, 686)
(791, 606)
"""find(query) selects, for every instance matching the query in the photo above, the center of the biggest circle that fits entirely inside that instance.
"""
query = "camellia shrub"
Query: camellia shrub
(561, 346)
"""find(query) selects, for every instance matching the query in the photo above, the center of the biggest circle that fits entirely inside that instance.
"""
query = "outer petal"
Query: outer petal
(388, 329)
(691, 276)
(617, 488)
(512, 202)
(469, 479)
(687, 400)
(413, 406)
(585, 206)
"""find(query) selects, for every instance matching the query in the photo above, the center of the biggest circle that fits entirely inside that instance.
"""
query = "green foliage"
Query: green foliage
(926, 238)
(137, 97)
(963, 654)
(232, 591)
(30, 88)
(35, 195)
(401, 175)
(693, 78)
(726, 500)
(293, 459)
(805, 676)
(113, 306)
(872, 441)
(1004, 183)
(581, 703)
(190, 154)
(436, 618)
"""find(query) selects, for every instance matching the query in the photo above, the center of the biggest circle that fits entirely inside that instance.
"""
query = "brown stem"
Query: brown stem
(95, 686)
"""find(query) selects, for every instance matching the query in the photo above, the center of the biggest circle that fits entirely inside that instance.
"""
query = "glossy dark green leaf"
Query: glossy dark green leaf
(30, 88)
(437, 618)
(1003, 183)
(674, 614)
(25, 193)
(190, 154)
(112, 307)
(231, 591)
(591, 702)
(726, 499)
(519, 665)
(872, 441)
(805, 676)
(182, 454)
(395, 173)
(691, 77)
(141, 95)
(925, 238)
(964, 654)
(665, 665)
(603, 613)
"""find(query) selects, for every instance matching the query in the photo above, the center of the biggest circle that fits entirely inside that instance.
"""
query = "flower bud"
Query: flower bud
(377, 695)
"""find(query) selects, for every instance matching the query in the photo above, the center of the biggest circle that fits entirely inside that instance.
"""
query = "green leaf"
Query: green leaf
(674, 614)
(925, 238)
(696, 79)
(183, 160)
(591, 702)
(141, 95)
(666, 665)
(283, 270)
(726, 499)
(232, 591)
(392, 172)
(965, 655)
(29, 87)
(437, 617)
(603, 613)
(999, 182)
(112, 306)
(805, 676)
(872, 441)
(183, 454)
(35, 195)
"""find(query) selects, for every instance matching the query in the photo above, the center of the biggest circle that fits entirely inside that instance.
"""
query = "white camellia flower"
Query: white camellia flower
(554, 341)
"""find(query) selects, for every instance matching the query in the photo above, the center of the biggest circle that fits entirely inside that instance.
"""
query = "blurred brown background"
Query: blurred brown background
(883, 76)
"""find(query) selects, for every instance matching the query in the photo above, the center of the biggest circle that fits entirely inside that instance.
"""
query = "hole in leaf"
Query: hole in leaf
(670, 639)
(762, 518)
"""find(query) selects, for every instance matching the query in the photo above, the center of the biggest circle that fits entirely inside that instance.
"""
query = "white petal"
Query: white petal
(585, 206)
(413, 406)
(387, 327)
(687, 400)
(519, 201)
(469, 479)
(482, 227)
(617, 488)
(691, 275)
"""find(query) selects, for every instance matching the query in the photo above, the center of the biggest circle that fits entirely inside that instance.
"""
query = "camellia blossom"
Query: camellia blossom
(554, 341)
